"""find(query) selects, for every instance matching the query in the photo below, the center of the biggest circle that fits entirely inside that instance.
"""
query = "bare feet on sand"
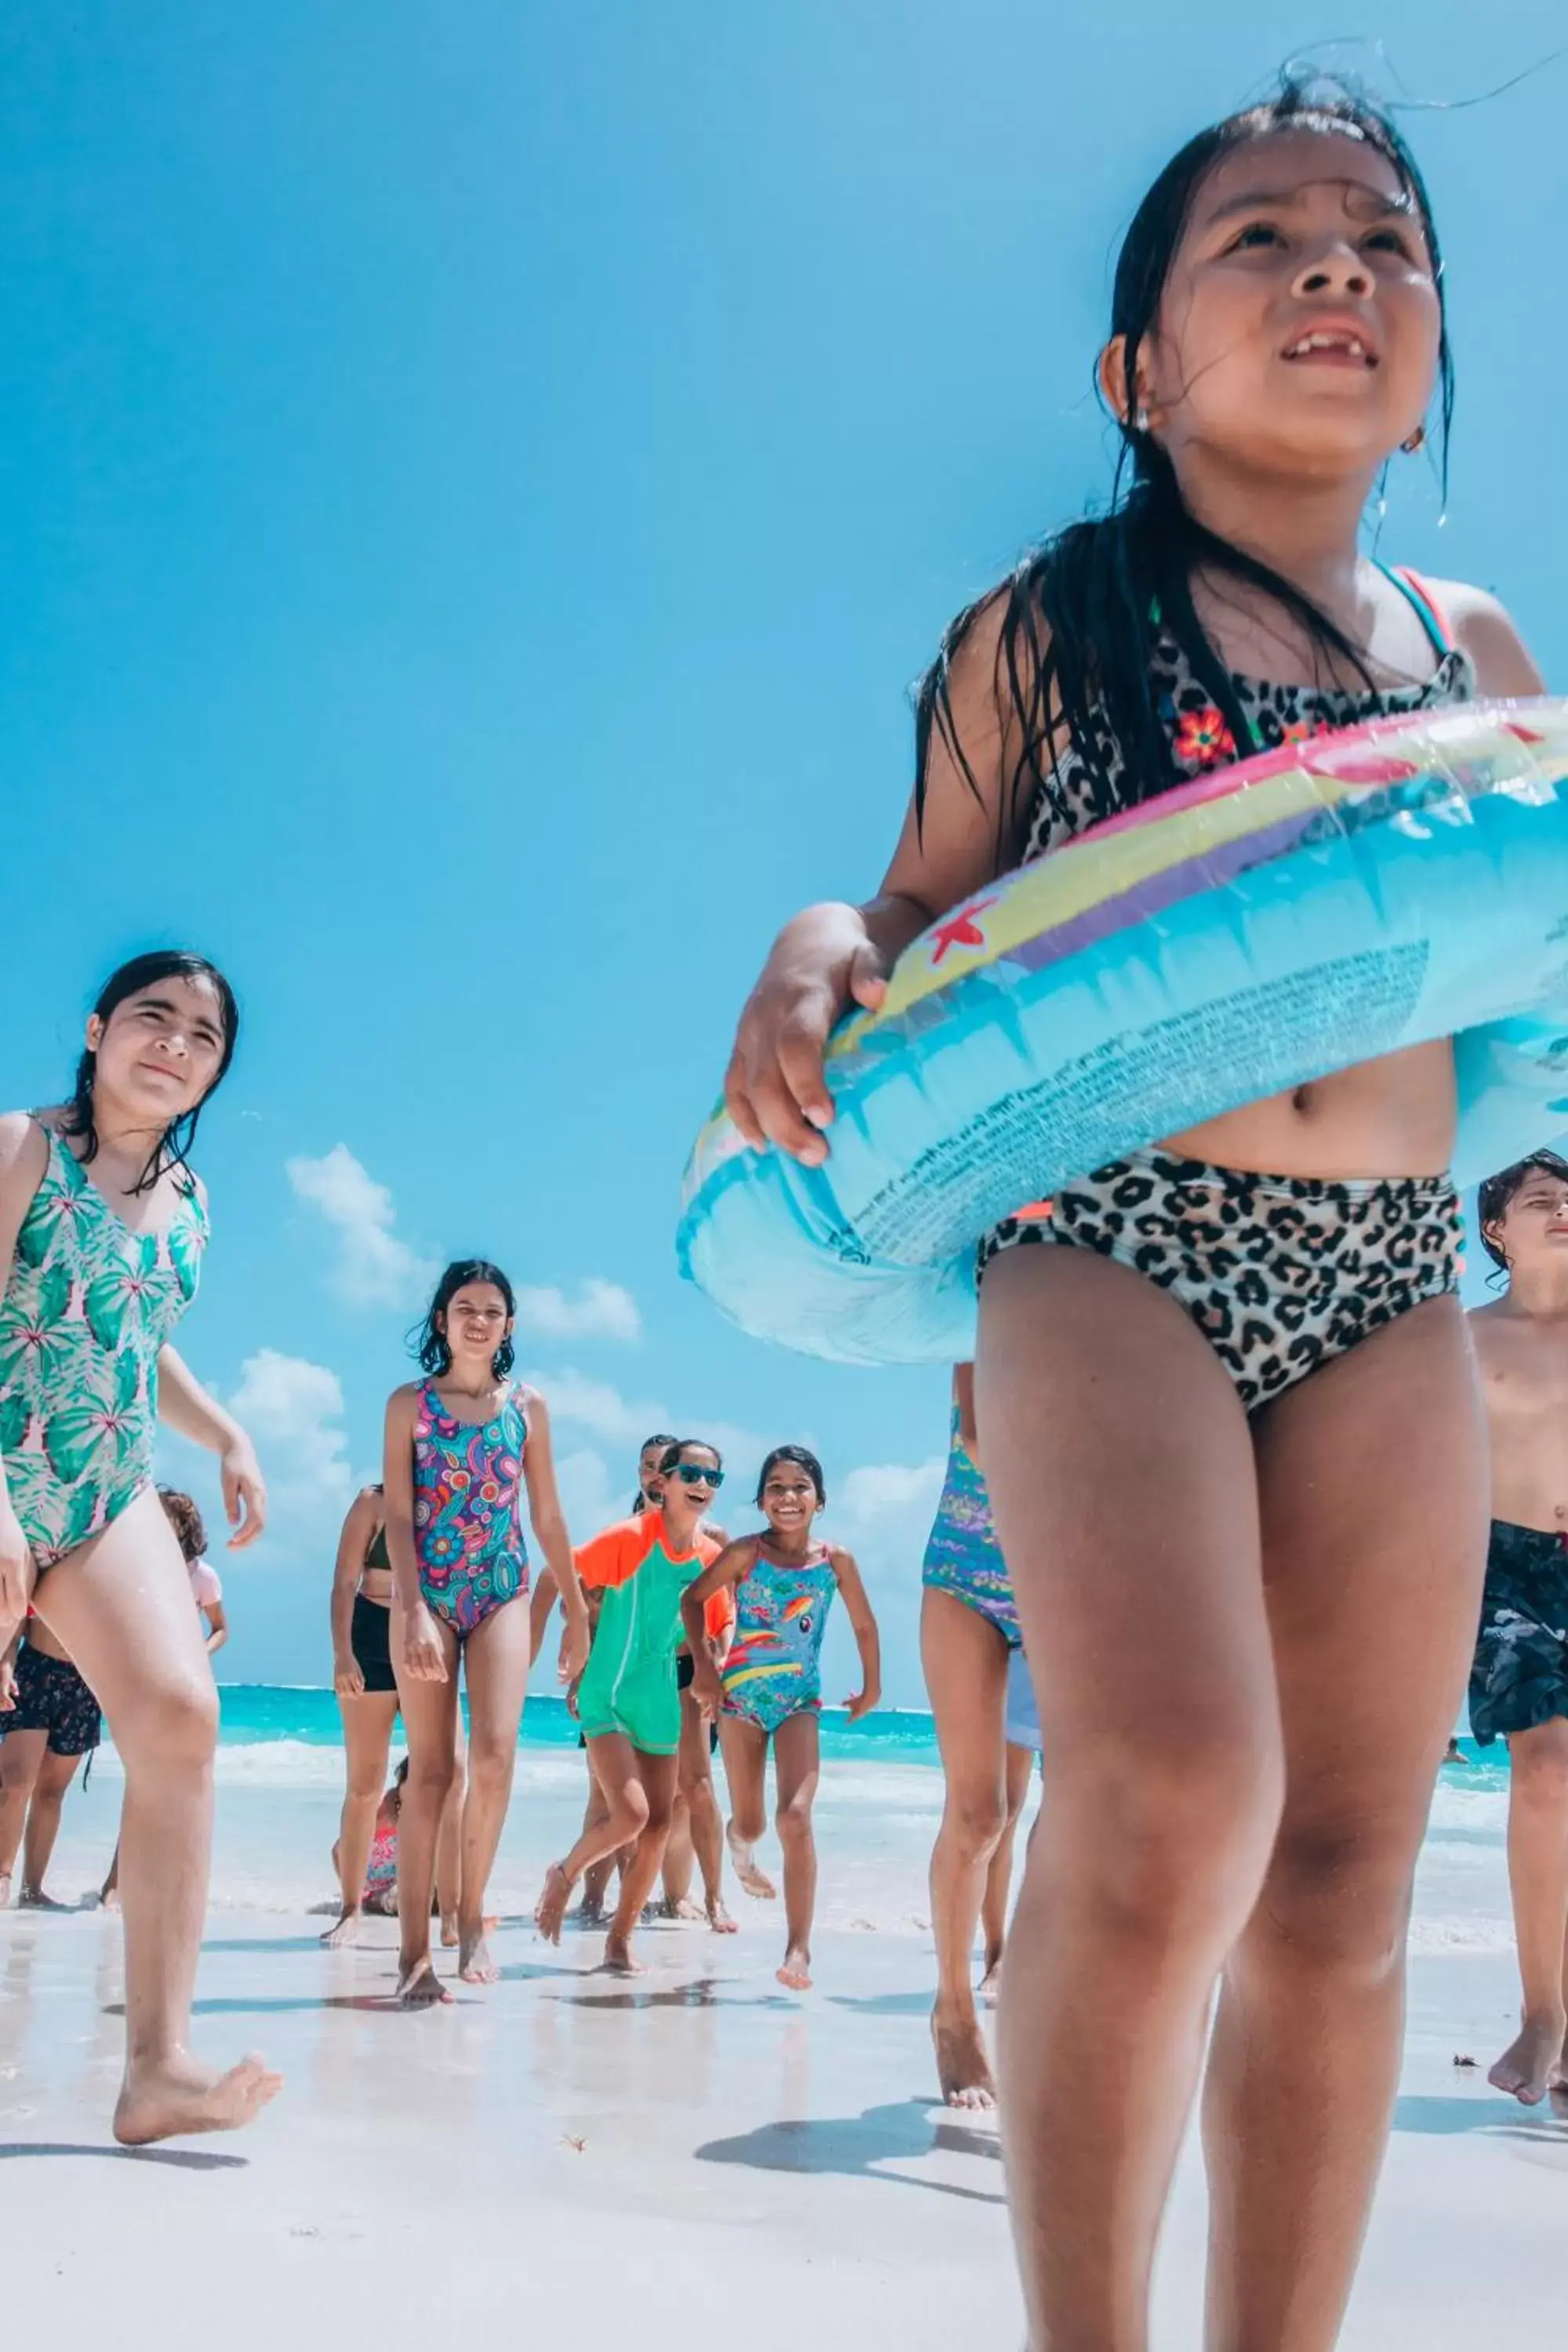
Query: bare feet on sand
(746, 1871)
(110, 1898)
(475, 1965)
(550, 1908)
(990, 1983)
(719, 1919)
(589, 1912)
(685, 1909)
(963, 2068)
(796, 1970)
(420, 1987)
(1534, 2064)
(33, 1898)
(344, 1930)
(619, 1958)
(170, 2100)
(451, 1937)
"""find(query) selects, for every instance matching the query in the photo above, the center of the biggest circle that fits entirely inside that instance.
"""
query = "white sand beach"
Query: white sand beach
(695, 2155)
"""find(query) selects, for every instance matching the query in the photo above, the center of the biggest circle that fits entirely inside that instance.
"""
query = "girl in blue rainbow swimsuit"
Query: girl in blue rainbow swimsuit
(770, 1686)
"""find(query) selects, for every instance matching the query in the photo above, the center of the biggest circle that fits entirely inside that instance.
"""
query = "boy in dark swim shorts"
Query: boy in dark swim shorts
(1519, 1682)
(51, 1723)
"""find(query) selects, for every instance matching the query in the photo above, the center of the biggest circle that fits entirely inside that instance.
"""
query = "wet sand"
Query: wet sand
(696, 2156)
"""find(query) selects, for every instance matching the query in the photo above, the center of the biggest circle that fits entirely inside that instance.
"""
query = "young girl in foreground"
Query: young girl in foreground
(771, 1686)
(969, 1634)
(461, 1444)
(628, 1702)
(1519, 1681)
(102, 1227)
(1245, 1514)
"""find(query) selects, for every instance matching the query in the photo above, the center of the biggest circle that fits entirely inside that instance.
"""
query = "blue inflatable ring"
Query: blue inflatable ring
(1288, 916)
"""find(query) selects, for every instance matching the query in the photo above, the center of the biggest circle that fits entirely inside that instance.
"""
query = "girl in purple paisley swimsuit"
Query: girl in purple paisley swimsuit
(462, 1445)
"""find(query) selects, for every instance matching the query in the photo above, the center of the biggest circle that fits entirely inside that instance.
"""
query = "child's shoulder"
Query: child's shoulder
(24, 1145)
(1485, 629)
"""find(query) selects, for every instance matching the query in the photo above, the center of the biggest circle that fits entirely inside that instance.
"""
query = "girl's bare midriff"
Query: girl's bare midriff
(375, 1585)
(1383, 1119)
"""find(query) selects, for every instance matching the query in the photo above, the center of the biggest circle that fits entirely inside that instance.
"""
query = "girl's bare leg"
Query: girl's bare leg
(1538, 1877)
(597, 1877)
(1020, 1764)
(1122, 1474)
(796, 1769)
(965, 1663)
(496, 1663)
(367, 1743)
(658, 1775)
(679, 1861)
(449, 1842)
(1374, 1479)
(623, 1815)
(55, 1776)
(744, 1748)
(429, 1724)
(22, 1754)
(697, 1811)
(122, 1606)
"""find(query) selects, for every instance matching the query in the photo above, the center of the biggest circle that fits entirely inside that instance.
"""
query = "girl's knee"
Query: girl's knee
(630, 1813)
(1337, 1894)
(793, 1822)
(491, 1763)
(972, 1823)
(174, 1723)
(1159, 1836)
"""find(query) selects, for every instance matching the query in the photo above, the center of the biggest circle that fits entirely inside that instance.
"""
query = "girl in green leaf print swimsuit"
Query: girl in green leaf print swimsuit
(102, 1227)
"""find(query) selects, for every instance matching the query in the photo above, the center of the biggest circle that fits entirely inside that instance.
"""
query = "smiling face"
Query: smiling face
(790, 1500)
(647, 1469)
(160, 1052)
(690, 1486)
(1532, 1231)
(1299, 325)
(475, 1323)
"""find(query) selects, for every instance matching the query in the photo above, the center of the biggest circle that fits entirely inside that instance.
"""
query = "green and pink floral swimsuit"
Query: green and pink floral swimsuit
(87, 1306)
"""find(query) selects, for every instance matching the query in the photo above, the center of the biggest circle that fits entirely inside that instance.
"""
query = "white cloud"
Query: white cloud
(603, 1311)
(375, 1267)
(293, 1412)
(577, 1401)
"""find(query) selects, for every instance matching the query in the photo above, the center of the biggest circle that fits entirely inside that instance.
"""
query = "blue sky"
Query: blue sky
(475, 484)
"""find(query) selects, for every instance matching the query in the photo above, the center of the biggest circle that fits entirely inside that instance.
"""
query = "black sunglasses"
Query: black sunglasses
(692, 1473)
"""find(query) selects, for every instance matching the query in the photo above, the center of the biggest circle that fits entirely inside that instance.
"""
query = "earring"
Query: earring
(1141, 422)
(1414, 442)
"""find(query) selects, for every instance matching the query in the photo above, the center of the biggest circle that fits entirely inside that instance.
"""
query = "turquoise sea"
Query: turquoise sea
(255, 1712)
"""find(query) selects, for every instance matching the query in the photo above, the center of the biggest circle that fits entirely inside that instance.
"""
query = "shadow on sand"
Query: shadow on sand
(859, 2147)
(1500, 2117)
(180, 2158)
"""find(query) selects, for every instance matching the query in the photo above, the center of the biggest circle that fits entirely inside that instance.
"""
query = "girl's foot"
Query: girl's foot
(168, 2100)
(619, 1958)
(990, 1983)
(1531, 2062)
(33, 1898)
(589, 1912)
(110, 1898)
(552, 1906)
(475, 1965)
(344, 1930)
(419, 1987)
(963, 2068)
(685, 1909)
(746, 1871)
(719, 1919)
(451, 1937)
(796, 1970)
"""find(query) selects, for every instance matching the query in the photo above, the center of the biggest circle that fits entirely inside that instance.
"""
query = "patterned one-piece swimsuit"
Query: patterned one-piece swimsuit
(89, 1304)
(773, 1668)
(468, 1535)
(1280, 1273)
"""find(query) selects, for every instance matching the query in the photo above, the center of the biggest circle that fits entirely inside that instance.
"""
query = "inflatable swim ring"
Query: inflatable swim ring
(1285, 917)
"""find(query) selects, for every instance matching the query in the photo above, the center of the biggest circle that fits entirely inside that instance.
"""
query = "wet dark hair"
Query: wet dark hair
(145, 972)
(182, 1515)
(1079, 617)
(429, 1342)
(670, 1459)
(803, 1458)
(1497, 1193)
(663, 1439)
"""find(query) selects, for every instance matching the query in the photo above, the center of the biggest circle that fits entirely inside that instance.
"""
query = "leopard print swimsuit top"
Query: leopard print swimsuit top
(1067, 802)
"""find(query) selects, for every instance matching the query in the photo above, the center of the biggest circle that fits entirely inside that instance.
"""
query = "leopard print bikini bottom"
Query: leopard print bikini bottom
(1281, 1273)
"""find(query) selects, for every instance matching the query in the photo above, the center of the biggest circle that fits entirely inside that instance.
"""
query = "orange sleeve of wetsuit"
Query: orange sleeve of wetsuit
(611, 1557)
(719, 1609)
